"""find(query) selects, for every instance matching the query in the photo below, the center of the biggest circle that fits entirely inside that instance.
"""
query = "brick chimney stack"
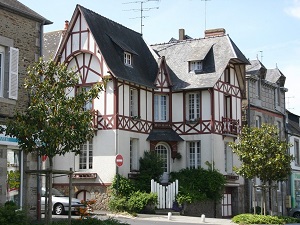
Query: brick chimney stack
(215, 32)
(66, 24)
(181, 34)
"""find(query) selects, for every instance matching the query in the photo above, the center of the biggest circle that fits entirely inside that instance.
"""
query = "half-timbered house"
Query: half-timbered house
(179, 98)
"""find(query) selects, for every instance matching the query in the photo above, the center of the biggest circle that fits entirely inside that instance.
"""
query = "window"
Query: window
(258, 87)
(227, 75)
(160, 107)
(89, 104)
(13, 176)
(258, 121)
(227, 107)
(10, 81)
(277, 96)
(296, 153)
(133, 102)
(228, 158)
(86, 156)
(195, 66)
(194, 154)
(279, 128)
(134, 157)
(162, 151)
(193, 100)
(127, 58)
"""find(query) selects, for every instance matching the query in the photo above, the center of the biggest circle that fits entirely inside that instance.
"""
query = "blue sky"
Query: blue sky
(265, 29)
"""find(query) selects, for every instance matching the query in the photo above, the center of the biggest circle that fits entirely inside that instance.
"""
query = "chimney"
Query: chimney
(66, 24)
(181, 35)
(215, 32)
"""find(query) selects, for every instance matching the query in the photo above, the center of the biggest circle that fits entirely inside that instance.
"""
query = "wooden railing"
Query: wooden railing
(230, 126)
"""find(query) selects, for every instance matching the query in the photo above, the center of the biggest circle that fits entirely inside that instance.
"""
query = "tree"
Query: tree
(263, 155)
(55, 122)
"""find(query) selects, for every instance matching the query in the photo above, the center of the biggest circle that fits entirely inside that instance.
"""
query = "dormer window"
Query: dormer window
(127, 58)
(195, 66)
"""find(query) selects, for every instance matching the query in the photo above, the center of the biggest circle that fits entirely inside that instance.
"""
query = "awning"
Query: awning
(163, 135)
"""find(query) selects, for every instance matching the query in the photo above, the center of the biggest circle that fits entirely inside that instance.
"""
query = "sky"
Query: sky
(268, 30)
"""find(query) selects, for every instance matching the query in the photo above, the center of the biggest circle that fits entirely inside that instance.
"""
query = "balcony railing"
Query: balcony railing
(230, 126)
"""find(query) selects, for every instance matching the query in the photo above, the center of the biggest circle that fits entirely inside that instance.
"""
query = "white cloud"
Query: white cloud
(294, 10)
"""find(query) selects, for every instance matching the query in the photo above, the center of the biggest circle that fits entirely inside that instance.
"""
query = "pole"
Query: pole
(70, 197)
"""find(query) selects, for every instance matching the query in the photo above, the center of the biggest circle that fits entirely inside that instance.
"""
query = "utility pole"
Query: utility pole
(142, 9)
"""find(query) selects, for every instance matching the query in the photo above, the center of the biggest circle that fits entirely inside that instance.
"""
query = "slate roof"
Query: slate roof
(51, 43)
(21, 9)
(256, 68)
(113, 39)
(274, 76)
(163, 135)
(216, 53)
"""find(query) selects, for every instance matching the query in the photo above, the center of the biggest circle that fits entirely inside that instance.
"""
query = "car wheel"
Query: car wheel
(58, 209)
(296, 215)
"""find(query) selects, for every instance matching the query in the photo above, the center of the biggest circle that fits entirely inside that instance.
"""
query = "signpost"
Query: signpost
(119, 160)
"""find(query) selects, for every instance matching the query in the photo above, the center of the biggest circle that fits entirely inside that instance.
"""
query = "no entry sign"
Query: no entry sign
(119, 160)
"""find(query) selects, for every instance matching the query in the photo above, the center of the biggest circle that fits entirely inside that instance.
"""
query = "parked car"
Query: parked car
(295, 212)
(60, 202)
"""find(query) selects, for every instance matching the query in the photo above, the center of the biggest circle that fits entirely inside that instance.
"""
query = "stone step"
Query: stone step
(166, 211)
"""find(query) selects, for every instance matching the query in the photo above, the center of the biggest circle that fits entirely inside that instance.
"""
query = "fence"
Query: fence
(166, 193)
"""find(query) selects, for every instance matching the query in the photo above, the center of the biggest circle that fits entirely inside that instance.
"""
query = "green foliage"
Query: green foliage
(122, 186)
(150, 168)
(261, 219)
(138, 200)
(127, 198)
(262, 154)
(199, 185)
(55, 121)
(11, 215)
(90, 221)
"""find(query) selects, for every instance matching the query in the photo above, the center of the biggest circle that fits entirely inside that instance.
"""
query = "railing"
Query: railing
(230, 126)
(95, 114)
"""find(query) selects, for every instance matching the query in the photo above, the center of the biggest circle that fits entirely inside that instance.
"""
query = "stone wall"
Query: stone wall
(208, 208)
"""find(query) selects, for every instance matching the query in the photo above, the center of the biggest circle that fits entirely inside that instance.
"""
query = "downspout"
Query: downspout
(38, 157)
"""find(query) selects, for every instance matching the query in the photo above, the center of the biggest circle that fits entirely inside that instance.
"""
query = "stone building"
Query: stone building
(21, 32)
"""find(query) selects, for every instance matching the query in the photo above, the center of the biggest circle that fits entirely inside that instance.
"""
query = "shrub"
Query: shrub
(122, 186)
(199, 185)
(139, 200)
(11, 215)
(261, 219)
(118, 204)
(90, 221)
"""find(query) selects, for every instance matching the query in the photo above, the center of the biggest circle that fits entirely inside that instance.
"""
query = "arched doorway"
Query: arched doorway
(84, 195)
(163, 151)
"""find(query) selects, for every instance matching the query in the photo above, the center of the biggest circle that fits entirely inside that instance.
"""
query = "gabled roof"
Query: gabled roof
(216, 53)
(21, 9)
(113, 39)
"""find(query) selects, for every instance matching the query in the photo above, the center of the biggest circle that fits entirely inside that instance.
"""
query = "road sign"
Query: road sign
(119, 160)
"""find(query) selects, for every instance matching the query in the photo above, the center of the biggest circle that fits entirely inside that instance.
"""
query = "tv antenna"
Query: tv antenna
(205, 13)
(142, 9)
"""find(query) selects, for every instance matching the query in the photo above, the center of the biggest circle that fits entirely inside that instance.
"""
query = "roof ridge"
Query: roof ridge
(107, 18)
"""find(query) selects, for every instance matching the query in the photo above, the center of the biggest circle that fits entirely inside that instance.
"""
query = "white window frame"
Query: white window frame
(195, 66)
(161, 108)
(133, 102)
(163, 152)
(86, 156)
(127, 58)
(193, 106)
(194, 154)
(258, 121)
(134, 155)
(228, 158)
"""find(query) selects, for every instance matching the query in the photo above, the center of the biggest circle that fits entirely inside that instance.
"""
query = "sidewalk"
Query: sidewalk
(173, 218)
(166, 218)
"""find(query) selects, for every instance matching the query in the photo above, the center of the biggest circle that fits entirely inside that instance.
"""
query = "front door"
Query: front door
(227, 203)
(164, 154)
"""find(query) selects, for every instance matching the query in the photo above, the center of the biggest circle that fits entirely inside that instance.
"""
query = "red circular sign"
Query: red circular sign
(119, 160)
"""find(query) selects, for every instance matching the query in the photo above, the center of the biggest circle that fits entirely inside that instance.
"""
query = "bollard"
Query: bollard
(169, 215)
(203, 218)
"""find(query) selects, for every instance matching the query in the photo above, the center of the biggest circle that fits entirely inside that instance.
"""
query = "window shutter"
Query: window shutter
(13, 73)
